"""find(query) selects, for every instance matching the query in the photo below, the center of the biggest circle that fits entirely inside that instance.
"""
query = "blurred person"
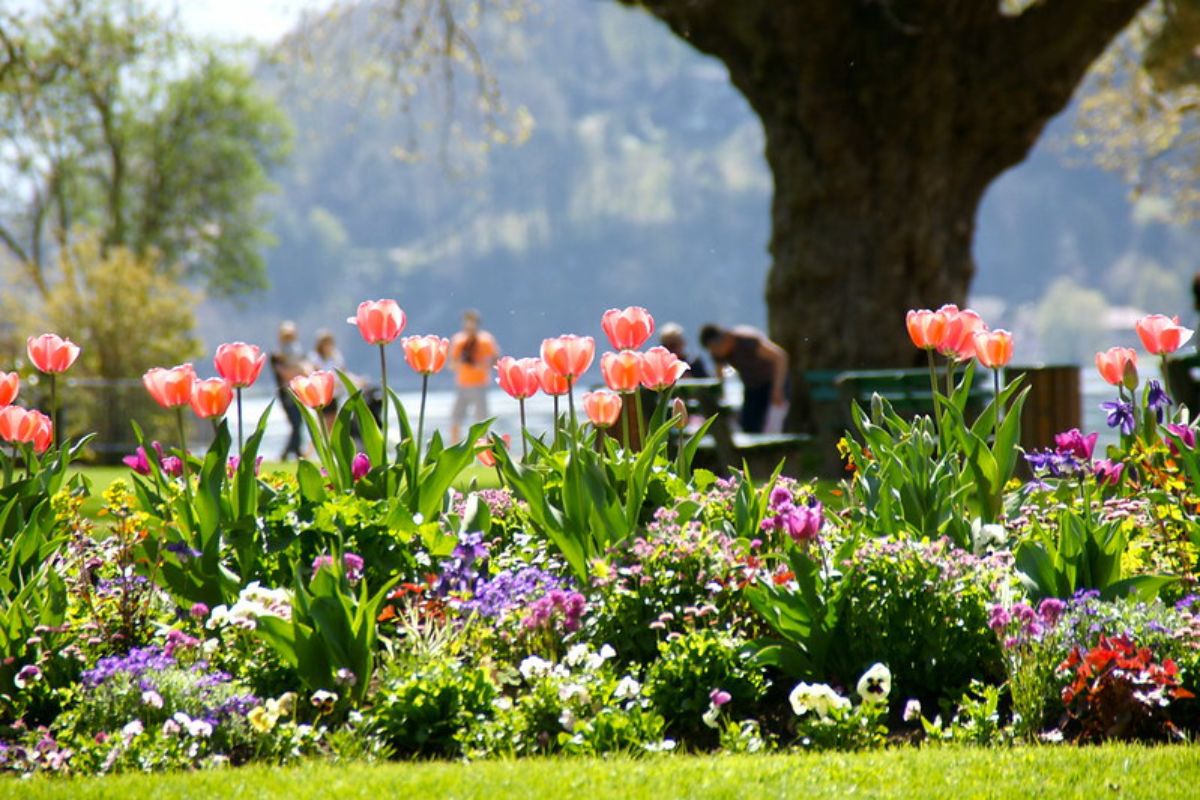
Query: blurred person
(287, 361)
(761, 365)
(473, 353)
(671, 336)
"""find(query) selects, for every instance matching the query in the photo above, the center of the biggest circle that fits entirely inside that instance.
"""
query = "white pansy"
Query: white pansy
(816, 697)
(533, 667)
(875, 684)
(627, 688)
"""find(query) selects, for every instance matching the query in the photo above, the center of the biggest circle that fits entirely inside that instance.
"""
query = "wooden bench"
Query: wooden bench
(724, 449)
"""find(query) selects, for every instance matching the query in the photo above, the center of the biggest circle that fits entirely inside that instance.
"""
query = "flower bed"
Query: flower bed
(604, 599)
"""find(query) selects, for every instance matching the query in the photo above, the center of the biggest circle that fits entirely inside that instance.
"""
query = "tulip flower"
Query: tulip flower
(240, 364)
(172, 388)
(1073, 442)
(679, 413)
(519, 379)
(1161, 335)
(627, 329)
(426, 355)
(994, 349)
(10, 385)
(602, 407)
(360, 466)
(26, 426)
(380, 322)
(52, 354)
(622, 371)
(661, 369)
(569, 356)
(487, 453)
(1108, 473)
(550, 381)
(926, 328)
(211, 397)
(958, 342)
(1113, 364)
(314, 390)
(11, 418)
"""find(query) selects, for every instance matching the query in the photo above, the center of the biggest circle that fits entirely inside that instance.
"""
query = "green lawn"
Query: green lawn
(1043, 772)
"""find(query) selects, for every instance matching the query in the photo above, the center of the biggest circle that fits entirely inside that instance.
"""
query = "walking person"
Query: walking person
(286, 363)
(761, 365)
(473, 354)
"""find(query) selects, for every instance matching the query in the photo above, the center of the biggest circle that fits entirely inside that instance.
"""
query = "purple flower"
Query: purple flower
(171, 465)
(30, 673)
(1074, 443)
(183, 550)
(1051, 610)
(998, 618)
(1057, 463)
(236, 461)
(1157, 399)
(1108, 473)
(360, 466)
(1120, 414)
(198, 611)
(352, 562)
(780, 496)
(719, 697)
(138, 462)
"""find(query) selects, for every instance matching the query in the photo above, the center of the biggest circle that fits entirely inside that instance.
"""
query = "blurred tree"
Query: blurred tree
(113, 120)
(1140, 115)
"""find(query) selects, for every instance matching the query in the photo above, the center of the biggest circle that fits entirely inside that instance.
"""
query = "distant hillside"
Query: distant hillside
(643, 182)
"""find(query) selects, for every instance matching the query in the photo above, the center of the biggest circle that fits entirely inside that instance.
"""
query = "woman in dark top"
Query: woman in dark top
(761, 365)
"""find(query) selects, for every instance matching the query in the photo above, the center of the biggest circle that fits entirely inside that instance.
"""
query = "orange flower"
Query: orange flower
(569, 355)
(487, 455)
(661, 368)
(627, 329)
(239, 363)
(551, 382)
(425, 354)
(958, 342)
(211, 398)
(379, 321)
(1113, 363)
(172, 387)
(994, 349)
(314, 390)
(926, 328)
(1161, 334)
(602, 407)
(50, 353)
(622, 371)
(10, 384)
(518, 377)
(22, 426)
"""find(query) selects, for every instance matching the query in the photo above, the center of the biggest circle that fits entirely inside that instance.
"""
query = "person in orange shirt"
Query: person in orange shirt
(473, 353)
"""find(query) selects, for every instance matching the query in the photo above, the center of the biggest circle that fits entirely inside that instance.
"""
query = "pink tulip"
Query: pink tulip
(10, 385)
(425, 354)
(627, 329)
(602, 407)
(1161, 335)
(239, 363)
(211, 397)
(958, 342)
(994, 349)
(552, 383)
(926, 328)
(379, 321)
(569, 355)
(622, 371)
(314, 390)
(518, 377)
(50, 353)
(170, 388)
(1113, 363)
(661, 368)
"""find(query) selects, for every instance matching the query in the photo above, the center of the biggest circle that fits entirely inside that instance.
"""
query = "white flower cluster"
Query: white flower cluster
(873, 688)
(253, 602)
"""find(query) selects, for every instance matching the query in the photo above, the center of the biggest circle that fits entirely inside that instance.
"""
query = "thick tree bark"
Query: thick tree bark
(885, 122)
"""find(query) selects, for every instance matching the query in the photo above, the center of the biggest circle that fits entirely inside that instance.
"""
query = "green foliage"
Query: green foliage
(690, 667)
(420, 708)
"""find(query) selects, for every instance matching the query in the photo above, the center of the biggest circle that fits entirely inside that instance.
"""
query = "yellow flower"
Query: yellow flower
(261, 720)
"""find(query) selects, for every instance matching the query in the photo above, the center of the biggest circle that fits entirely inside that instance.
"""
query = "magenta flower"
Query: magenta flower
(1073, 442)
(1186, 434)
(1108, 473)
(351, 561)
(360, 466)
(719, 697)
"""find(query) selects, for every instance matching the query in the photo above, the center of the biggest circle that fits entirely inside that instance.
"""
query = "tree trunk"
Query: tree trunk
(885, 122)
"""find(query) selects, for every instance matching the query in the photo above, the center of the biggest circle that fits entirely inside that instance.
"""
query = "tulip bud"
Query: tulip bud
(1130, 378)
(679, 415)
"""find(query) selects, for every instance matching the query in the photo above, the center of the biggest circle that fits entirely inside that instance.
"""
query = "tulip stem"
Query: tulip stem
(524, 444)
(626, 413)
(999, 406)
(555, 422)
(641, 434)
(571, 403)
(239, 406)
(949, 377)
(1166, 378)
(54, 407)
(421, 416)
(8, 465)
(383, 456)
(183, 459)
(937, 412)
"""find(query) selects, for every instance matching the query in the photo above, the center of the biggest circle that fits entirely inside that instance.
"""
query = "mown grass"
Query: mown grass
(1115, 771)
